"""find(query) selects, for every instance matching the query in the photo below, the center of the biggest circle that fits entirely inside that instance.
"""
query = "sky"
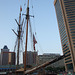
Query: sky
(45, 24)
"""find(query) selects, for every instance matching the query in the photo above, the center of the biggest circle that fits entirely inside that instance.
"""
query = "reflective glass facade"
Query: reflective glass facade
(65, 11)
(70, 11)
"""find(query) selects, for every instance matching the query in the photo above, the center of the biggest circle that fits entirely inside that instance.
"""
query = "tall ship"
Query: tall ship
(33, 69)
(29, 66)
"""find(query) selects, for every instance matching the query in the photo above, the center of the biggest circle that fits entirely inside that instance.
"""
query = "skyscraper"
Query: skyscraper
(65, 11)
(7, 57)
(4, 56)
(31, 58)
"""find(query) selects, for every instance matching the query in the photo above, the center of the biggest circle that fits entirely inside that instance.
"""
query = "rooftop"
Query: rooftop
(5, 47)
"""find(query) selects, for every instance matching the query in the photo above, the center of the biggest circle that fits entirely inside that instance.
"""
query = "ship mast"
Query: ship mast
(19, 35)
(27, 18)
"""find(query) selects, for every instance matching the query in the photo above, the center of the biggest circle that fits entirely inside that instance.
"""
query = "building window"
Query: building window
(68, 61)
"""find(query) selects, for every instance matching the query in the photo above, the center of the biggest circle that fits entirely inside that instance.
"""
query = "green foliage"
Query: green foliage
(55, 69)
(28, 66)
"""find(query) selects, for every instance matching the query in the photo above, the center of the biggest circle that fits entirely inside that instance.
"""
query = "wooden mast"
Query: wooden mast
(27, 17)
(19, 34)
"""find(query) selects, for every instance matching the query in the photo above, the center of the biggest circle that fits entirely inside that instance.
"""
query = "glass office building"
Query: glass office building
(65, 12)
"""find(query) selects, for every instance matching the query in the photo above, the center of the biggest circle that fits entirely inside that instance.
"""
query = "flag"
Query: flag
(34, 41)
(20, 8)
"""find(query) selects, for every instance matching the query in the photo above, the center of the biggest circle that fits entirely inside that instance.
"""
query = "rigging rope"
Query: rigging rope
(35, 28)
(31, 34)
